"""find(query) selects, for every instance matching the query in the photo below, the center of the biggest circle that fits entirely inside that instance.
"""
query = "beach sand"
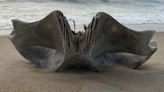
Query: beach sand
(19, 75)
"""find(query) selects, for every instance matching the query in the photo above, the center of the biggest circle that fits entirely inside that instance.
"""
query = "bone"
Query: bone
(51, 43)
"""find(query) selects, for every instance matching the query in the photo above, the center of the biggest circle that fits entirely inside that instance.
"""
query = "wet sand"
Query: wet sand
(19, 75)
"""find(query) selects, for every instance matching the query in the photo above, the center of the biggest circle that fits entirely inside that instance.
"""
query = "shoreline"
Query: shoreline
(141, 27)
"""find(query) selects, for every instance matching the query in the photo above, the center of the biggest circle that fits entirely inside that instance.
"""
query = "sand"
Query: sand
(19, 75)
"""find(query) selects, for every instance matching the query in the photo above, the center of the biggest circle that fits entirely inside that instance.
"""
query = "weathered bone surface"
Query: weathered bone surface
(51, 43)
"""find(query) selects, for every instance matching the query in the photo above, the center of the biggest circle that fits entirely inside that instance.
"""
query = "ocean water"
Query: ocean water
(82, 11)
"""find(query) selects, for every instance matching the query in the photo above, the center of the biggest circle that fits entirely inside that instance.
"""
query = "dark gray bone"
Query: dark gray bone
(51, 43)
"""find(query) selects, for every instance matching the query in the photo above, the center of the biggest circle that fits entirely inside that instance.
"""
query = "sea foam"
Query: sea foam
(149, 18)
(124, 11)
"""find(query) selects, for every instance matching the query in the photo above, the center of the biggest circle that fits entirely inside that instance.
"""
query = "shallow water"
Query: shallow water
(82, 11)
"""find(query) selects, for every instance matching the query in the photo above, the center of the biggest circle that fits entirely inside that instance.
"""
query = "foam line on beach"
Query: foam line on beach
(156, 27)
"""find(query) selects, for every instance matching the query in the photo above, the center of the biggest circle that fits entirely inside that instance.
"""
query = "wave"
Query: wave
(42, 1)
(104, 1)
(149, 18)
(124, 11)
